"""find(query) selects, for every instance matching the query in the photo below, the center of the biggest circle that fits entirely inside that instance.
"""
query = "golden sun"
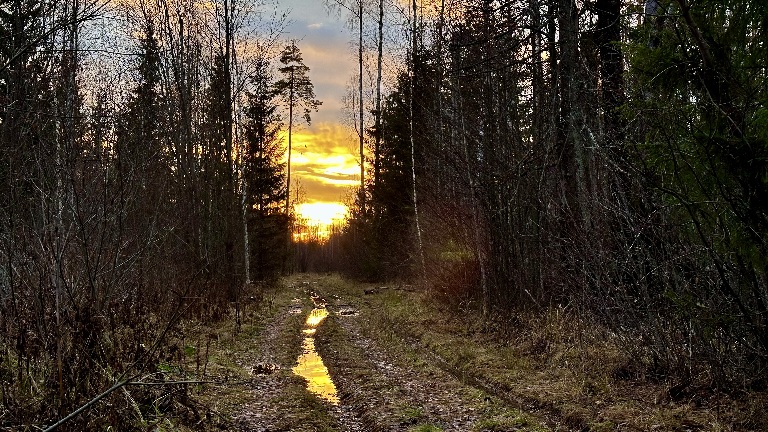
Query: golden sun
(322, 213)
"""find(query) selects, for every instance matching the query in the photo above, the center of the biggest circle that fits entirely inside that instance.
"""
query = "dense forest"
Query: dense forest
(130, 200)
(603, 156)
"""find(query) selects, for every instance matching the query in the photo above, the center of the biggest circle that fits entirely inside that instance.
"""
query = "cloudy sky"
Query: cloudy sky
(324, 160)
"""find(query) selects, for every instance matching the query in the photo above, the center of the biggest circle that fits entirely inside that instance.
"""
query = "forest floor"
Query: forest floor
(399, 363)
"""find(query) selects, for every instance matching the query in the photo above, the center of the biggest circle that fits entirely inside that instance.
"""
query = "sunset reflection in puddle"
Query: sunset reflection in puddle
(316, 317)
(310, 365)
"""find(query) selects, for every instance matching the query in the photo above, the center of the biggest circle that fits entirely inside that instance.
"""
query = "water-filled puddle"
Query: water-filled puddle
(316, 317)
(310, 365)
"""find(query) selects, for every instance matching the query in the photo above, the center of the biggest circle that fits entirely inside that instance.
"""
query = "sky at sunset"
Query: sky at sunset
(324, 160)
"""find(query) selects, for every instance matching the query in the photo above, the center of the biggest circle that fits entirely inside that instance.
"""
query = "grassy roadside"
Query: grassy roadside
(551, 363)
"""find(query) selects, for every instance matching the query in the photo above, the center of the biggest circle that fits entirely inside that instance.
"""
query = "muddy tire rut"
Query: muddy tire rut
(281, 402)
(390, 396)
(398, 365)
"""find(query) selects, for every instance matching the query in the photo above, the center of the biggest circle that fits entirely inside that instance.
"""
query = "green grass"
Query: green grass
(547, 359)
(303, 411)
(410, 415)
(385, 315)
(499, 418)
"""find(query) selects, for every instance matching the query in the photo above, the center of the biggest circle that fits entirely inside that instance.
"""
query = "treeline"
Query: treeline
(604, 156)
(140, 182)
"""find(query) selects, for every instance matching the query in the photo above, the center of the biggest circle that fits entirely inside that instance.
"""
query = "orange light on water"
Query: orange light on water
(316, 317)
(310, 365)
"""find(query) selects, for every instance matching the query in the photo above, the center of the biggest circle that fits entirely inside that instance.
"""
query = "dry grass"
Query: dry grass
(405, 398)
(555, 362)
(565, 370)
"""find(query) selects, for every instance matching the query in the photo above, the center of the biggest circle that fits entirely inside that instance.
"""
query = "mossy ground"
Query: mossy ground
(398, 386)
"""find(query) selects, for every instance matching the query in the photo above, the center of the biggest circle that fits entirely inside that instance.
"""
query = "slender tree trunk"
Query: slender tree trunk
(574, 160)
(380, 55)
(57, 264)
(537, 89)
(441, 145)
(538, 137)
(412, 77)
(490, 158)
(230, 197)
(246, 244)
(290, 148)
(64, 141)
(360, 106)
(611, 66)
(568, 31)
(477, 232)
(228, 87)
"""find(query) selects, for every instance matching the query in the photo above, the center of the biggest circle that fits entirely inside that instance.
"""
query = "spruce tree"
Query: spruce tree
(265, 177)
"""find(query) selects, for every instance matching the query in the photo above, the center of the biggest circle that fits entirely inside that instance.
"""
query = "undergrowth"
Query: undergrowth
(572, 369)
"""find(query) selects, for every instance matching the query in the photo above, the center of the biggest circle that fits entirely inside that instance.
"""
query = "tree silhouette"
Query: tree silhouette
(265, 177)
(297, 92)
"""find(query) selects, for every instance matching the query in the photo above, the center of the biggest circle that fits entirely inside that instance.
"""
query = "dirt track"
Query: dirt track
(400, 363)
(382, 384)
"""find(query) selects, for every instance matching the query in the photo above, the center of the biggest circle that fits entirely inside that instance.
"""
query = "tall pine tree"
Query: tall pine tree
(297, 93)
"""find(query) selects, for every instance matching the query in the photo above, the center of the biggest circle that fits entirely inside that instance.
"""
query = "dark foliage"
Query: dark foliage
(547, 174)
(120, 217)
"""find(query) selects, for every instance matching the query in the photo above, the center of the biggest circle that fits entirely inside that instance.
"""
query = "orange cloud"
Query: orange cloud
(324, 161)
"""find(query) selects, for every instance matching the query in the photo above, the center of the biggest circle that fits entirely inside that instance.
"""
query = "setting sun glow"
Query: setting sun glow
(324, 162)
(321, 213)
(316, 220)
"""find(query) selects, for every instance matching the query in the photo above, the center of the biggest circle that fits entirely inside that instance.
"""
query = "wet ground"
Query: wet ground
(310, 365)
(324, 354)
(292, 389)
(318, 370)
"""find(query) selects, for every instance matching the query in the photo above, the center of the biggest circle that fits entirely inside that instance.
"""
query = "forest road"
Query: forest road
(323, 365)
